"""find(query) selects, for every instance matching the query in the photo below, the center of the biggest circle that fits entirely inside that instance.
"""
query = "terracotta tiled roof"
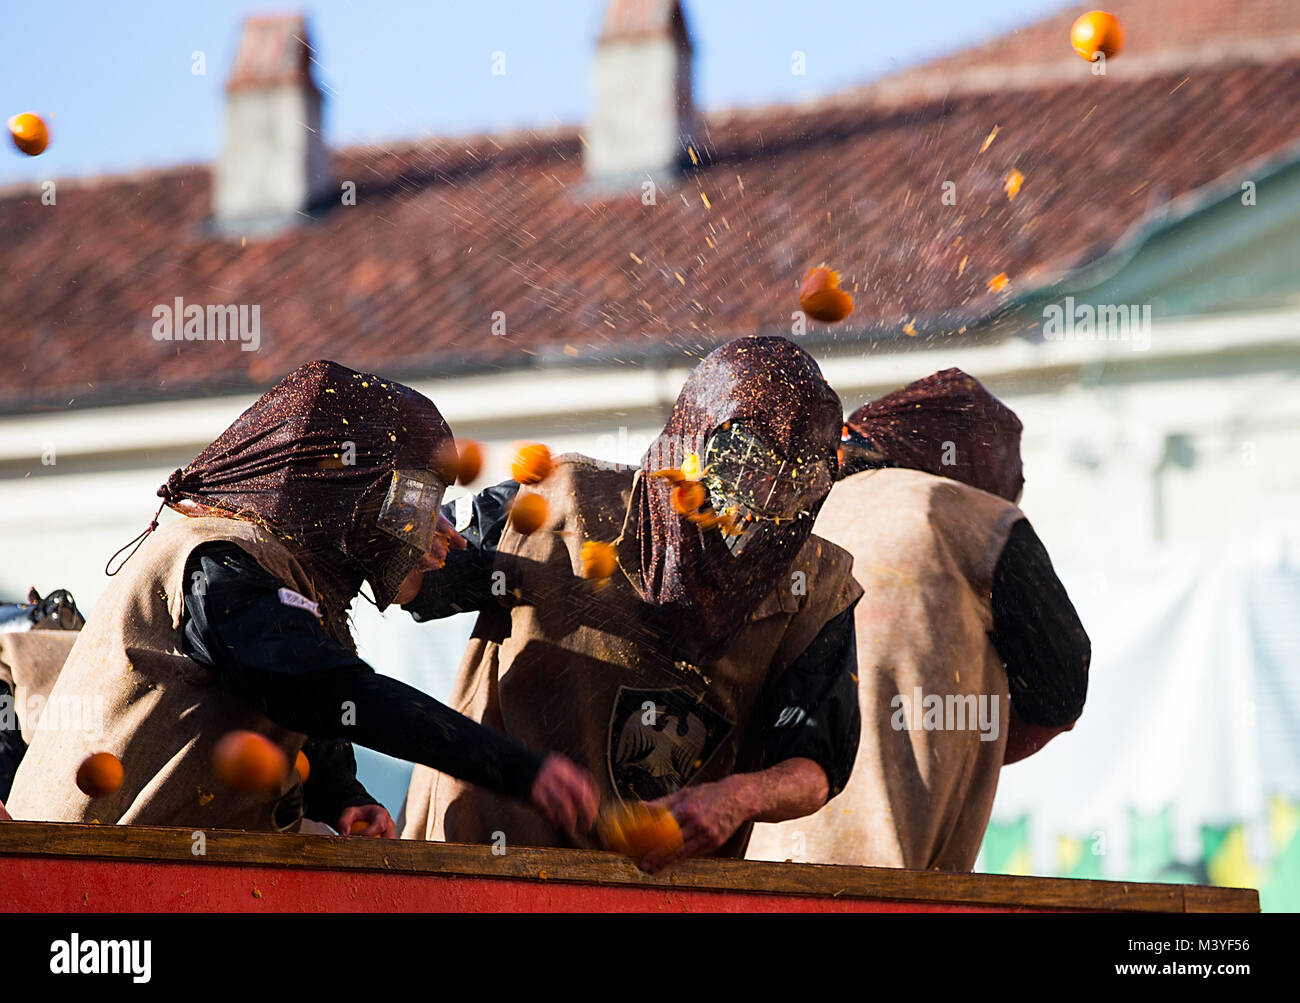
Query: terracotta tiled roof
(447, 232)
(1160, 33)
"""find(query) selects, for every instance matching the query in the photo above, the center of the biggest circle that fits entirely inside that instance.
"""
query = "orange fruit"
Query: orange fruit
(688, 496)
(469, 461)
(821, 297)
(598, 560)
(29, 133)
(249, 762)
(531, 463)
(636, 830)
(303, 767)
(358, 825)
(528, 513)
(100, 774)
(1097, 31)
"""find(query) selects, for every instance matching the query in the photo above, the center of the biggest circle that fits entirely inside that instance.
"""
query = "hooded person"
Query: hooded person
(970, 653)
(235, 618)
(712, 671)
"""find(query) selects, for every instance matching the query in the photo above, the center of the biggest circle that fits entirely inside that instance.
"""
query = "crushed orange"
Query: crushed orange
(1012, 183)
(821, 297)
(637, 830)
(724, 521)
(528, 513)
(249, 762)
(531, 463)
(999, 282)
(100, 774)
(688, 496)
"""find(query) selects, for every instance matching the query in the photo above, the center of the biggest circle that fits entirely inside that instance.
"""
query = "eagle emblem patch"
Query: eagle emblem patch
(659, 740)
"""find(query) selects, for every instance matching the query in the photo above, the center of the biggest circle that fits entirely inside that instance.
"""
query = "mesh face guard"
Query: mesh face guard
(762, 488)
(410, 512)
(741, 466)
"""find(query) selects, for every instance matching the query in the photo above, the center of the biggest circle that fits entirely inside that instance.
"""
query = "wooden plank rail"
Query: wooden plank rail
(139, 868)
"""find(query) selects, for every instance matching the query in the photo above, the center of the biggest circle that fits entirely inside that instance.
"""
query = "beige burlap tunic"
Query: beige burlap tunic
(162, 713)
(924, 549)
(30, 662)
(575, 668)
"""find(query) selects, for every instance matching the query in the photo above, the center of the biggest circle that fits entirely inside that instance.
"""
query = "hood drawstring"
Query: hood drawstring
(168, 494)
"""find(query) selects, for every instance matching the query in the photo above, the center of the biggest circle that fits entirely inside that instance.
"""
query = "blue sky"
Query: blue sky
(115, 80)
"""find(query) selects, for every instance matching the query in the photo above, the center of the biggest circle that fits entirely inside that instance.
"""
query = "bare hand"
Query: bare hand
(566, 794)
(445, 540)
(380, 823)
(709, 815)
(4, 815)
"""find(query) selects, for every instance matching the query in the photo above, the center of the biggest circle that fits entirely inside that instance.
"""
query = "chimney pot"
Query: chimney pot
(644, 113)
(274, 163)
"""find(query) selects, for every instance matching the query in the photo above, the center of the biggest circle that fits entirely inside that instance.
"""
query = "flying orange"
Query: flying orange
(100, 774)
(303, 767)
(531, 463)
(598, 560)
(1097, 31)
(249, 762)
(821, 297)
(29, 133)
(527, 513)
(469, 461)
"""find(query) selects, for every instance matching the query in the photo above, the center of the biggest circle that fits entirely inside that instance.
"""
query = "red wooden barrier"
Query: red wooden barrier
(56, 867)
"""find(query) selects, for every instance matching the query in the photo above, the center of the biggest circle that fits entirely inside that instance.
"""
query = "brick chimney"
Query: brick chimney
(643, 114)
(273, 163)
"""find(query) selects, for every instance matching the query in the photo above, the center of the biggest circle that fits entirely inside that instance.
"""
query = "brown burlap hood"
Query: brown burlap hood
(700, 589)
(946, 424)
(311, 461)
